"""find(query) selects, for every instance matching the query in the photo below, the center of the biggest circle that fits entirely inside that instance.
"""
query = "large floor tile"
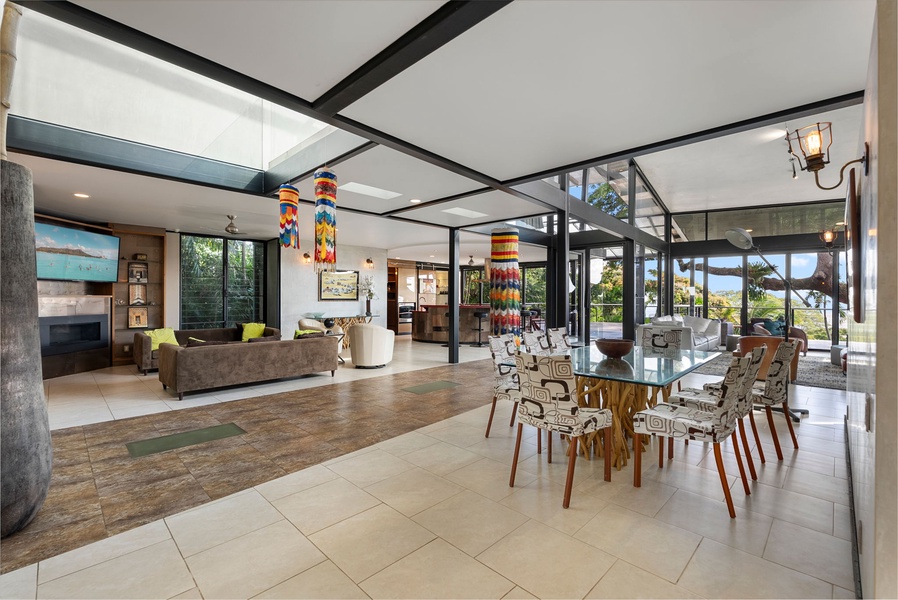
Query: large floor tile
(709, 518)
(647, 543)
(646, 499)
(834, 489)
(793, 507)
(206, 526)
(412, 491)
(624, 580)
(98, 552)
(366, 543)
(542, 500)
(718, 571)
(253, 563)
(157, 571)
(813, 553)
(442, 458)
(460, 434)
(490, 478)
(296, 482)
(370, 467)
(19, 584)
(470, 522)
(692, 478)
(324, 581)
(406, 443)
(438, 570)
(546, 562)
(315, 508)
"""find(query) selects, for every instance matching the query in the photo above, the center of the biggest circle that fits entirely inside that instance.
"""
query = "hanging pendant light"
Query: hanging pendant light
(325, 220)
(231, 227)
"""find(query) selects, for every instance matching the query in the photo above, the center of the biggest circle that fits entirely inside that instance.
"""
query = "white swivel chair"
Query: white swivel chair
(370, 346)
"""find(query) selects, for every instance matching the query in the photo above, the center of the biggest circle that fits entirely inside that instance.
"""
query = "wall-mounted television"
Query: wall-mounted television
(74, 254)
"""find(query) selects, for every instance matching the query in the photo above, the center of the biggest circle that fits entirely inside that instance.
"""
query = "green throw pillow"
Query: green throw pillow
(252, 330)
(193, 339)
(165, 335)
(301, 332)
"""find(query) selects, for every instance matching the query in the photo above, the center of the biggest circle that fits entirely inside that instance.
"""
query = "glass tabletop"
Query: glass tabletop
(641, 365)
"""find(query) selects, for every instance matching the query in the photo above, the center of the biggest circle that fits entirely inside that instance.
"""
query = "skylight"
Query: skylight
(464, 212)
(368, 190)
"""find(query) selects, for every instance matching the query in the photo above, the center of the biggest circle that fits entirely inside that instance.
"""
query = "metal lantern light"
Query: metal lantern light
(813, 143)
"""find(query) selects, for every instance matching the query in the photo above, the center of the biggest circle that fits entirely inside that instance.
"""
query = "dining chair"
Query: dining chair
(536, 342)
(549, 401)
(675, 421)
(506, 385)
(662, 339)
(558, 340)
(706, 400)
(775, 391)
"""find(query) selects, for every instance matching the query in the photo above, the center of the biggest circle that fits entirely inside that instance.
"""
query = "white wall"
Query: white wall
(299, 285)
(172, 299)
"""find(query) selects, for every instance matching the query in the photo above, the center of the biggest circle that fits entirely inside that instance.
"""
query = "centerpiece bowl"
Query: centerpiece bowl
(614, 348)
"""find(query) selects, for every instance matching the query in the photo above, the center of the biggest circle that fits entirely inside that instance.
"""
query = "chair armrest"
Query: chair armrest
(143, 351)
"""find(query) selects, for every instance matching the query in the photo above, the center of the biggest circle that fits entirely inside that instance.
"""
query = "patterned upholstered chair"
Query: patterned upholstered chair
(663, 338)
(775, 392)
(673, 421)
(507, 386)
(706, 400)
(559, 340)
(549, 401)
(536, 342)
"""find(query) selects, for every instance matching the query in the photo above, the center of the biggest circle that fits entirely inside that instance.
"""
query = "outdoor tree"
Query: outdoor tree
(606, 198)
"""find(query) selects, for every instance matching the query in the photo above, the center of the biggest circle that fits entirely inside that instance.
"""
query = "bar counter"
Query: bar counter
(430, 323)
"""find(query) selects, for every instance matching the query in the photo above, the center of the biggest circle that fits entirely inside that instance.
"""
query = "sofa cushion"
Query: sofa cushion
(166, 335)
(194, 342)
(252, 330)
(266, 338)
(668, 320)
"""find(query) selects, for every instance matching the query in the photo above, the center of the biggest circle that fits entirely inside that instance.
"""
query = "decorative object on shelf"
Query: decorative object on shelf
(138, 272)
(231, 227)
(366, 288)
(471, 261)
(137, 294)
(505, 283)
(140, 256)
(369, 264)
(120, 301)
(325, 220)
(306, 258)
(813, 142)
(289, 197)
(338, 285)
(138, 317)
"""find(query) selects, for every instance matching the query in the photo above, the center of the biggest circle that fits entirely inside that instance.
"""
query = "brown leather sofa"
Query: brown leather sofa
(187, 369)
(146, 358)
(749, 342)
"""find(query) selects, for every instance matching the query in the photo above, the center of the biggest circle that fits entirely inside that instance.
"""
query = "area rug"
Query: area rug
(814, 370)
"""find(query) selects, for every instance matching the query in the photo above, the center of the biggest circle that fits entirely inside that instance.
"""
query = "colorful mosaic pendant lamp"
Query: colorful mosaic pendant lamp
(505, 283)
(325, 220)
(289, 197)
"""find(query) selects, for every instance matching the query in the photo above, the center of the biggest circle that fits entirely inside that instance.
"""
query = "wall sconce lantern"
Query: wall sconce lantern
(307, 258)
(828, 236)
(813, 143)
(369, 264)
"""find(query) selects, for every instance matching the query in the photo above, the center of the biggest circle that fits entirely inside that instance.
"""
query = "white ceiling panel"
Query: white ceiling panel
(750, 168)
(543, 84)
(392, 171)
(304, 48)
(487, 207)
(472, 246)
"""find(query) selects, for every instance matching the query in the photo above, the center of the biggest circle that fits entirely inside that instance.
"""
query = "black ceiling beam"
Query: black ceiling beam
(447, 23)
(774, 118)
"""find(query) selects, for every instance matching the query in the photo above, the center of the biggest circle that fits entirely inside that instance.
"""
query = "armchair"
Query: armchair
(370, 346)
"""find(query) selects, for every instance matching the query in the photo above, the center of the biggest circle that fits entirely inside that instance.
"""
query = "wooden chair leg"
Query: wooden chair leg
(569, 482)
(723, 481)
(517, 450)
(670, 448)
(739, 463)
(660, 452)
(637, 460)
(549, 445)
(776, 440)
(789, 423)
(514, 412)
(748, 458)
(754, 429)
(490, 422)
(608, 431)
(539, 441)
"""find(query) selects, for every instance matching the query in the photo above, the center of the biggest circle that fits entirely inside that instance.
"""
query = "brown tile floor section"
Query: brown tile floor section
(98, 490)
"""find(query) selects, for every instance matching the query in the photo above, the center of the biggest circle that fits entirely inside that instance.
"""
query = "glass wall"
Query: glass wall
(760, 221)
(653, 279)
(649, 214)
(766, 292)
(606, 292)
(689, 286)
(724, 281)
(607, 189)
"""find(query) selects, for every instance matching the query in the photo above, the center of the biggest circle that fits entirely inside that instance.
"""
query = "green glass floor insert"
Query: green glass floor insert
(426, 388)
(180, 440)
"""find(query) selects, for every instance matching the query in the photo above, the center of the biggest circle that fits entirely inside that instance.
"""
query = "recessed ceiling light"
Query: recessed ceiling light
(367, 190)
(432, 256)
(80, 195)
(464, 212)
(415, 201)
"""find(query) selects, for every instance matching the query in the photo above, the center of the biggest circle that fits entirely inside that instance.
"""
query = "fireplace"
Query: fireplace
(73, 333)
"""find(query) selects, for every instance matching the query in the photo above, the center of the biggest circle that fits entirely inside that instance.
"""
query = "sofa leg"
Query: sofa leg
(145, 372)
(180, 395)
(332, 373)
(164, 387)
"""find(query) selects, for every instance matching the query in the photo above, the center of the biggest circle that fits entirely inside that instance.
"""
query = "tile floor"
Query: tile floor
(429, 514)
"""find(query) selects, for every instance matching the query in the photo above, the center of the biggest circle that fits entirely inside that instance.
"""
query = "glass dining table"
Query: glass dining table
(629, 384)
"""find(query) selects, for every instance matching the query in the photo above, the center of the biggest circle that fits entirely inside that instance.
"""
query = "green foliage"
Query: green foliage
(756, 274)
(605, 198)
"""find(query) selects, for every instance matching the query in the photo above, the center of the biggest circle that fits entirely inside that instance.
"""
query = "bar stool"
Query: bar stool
(480, 315)
(446, 314)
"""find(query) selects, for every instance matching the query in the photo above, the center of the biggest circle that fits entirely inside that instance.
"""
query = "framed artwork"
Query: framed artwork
(339, 285)
(137, 272)
(137, 294)
(137, 317)
(854, 247)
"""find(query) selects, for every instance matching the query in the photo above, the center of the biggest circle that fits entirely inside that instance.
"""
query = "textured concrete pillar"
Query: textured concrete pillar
(26, 454)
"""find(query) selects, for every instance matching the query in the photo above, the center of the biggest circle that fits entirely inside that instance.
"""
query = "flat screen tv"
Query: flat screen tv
(75, 255)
